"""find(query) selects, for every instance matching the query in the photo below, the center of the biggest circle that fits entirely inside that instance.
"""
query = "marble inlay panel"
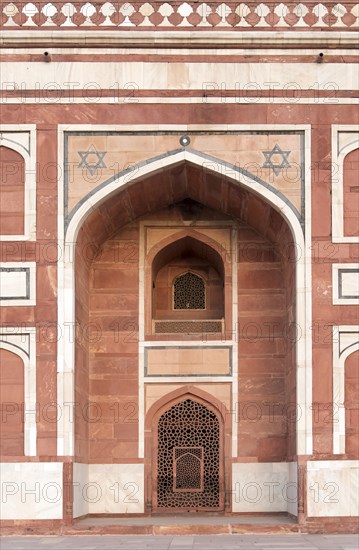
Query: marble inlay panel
(333, 488)
(31, 491)
(263, 487)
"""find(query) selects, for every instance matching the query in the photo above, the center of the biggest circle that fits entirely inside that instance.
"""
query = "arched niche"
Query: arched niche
(195, 257)
(188, 464)
(12, 401)
(163, 407)
(158, 185)
(12, 192)
(351, 193)
(351, 392)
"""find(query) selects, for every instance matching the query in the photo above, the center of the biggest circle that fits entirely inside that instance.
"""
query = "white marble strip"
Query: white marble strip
(141, 344)
(181, 100)
(305, 394)
(281, 51)
(90, 79)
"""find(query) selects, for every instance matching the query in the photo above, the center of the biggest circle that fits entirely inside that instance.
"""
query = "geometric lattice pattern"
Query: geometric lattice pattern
(187, 327)
(189, 292)
(188, 458)
(188, 469)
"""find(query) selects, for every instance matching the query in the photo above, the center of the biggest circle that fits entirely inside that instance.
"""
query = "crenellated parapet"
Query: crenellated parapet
(267, 15)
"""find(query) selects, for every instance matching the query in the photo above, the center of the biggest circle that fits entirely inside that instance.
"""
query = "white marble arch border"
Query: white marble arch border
(338, 156)
(22, 342)
(66, 279)
(29, 156)
(345, 342)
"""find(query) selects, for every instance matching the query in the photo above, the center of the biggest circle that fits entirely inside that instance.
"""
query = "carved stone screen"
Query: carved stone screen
(189, 327)
(188, 458)
(189, 292)
(188, 469)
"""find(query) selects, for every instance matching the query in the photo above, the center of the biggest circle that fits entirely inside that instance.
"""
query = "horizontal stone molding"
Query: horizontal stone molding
(201, 15)
(342, 37)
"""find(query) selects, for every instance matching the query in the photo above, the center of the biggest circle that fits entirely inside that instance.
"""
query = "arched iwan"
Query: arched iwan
(66, 308)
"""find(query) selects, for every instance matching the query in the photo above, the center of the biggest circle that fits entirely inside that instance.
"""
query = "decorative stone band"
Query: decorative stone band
(182, 15)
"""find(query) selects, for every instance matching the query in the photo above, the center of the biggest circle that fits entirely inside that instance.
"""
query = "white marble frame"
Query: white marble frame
(337, 300)
(31, 300)
(339, 357)
(66, 276)
(338, 157)
(22, 342)
(30, 177)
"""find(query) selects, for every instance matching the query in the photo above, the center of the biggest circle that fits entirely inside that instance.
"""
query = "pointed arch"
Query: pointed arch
(350, 197)
(202, 246)
(220, 256)
(26, 215)
(338, 194)
(29, 398)
(12, 189)
(187, 394)
(66, 310)
(351, 387)
(12, 410)
(217, 166)
(179, 394)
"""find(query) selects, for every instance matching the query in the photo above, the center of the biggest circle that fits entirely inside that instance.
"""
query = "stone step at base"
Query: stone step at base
(181, 529)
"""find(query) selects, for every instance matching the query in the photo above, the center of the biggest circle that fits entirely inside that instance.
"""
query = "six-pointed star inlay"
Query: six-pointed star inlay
(277, 168)
(92, 159)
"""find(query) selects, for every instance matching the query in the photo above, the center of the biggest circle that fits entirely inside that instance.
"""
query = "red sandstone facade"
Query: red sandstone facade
(179, 261)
